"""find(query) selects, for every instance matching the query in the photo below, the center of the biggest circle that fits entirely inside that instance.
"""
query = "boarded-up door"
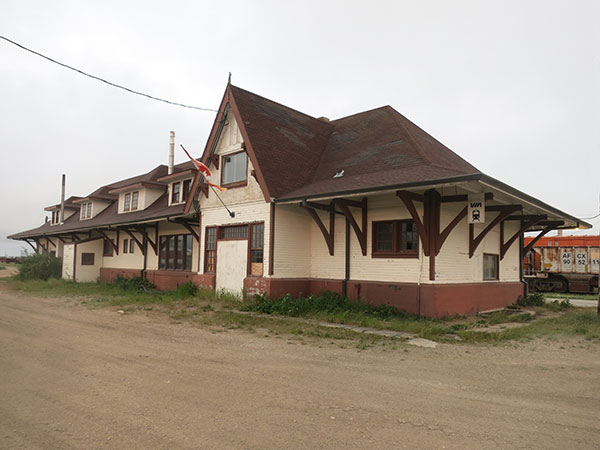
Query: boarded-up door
(68, 262)
(232, 259)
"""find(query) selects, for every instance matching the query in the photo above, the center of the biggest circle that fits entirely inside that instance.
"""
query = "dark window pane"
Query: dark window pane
(87, 259)
(162, 262)
(175, 192)
(180, 253)
(134, 200)
(234, 232)
(384, 236)
(188, 252)
(125, 245)
(131, 245)
(186, 189)
(171, 252)
(490, 267)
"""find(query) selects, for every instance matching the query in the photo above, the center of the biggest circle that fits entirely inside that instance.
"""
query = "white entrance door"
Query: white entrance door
(231, 265)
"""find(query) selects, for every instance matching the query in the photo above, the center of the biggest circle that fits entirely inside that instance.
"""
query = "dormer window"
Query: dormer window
(235, 169)
(130, 202)
(86, 210)
(180, 191)
(175, 192)
(134, 200)
(55, 217)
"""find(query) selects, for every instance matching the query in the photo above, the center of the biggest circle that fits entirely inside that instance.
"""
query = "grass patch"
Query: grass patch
(331, 307)
(572, 296)
(284, 316)
(572, 323)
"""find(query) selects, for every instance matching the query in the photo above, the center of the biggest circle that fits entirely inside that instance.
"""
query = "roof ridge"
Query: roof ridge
(360, 112)
(396, 116)
(280, 104)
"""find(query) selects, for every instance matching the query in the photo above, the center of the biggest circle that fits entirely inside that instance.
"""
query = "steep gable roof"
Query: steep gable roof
(287, 144)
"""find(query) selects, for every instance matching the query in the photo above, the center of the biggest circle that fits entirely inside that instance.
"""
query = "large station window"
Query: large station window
(395, 239)
(175, 252)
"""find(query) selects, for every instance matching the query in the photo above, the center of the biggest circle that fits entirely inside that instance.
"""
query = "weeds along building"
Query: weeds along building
(368, 205)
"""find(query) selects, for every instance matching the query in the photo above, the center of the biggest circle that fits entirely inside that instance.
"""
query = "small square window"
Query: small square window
(87, 259)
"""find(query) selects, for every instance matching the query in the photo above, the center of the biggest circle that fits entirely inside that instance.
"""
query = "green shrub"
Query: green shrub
(132, 283)
(536, 299)
(328, 302)
(187, 289)
(558, 305)
(40, 266)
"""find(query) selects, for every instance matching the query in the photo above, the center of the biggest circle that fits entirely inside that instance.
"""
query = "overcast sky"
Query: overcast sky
(511, 86)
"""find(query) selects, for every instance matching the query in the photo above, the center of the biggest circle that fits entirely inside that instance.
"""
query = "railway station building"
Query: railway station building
(369, 206)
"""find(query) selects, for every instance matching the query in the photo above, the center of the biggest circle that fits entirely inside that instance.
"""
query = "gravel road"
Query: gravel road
(76, 378)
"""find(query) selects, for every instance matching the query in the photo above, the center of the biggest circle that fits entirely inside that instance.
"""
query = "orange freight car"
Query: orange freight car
(563, 264)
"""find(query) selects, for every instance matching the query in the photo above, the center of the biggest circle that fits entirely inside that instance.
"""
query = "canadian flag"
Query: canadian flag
(203, 168)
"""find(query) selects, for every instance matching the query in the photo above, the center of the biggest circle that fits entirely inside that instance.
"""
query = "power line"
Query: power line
(106, 81)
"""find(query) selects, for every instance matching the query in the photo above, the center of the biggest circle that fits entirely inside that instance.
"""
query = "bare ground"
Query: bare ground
(72, 378)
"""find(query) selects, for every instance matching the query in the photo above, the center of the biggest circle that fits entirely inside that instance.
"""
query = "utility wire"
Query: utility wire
(106, 81)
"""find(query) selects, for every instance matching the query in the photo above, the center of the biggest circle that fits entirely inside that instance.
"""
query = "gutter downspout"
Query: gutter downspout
(347, 261)
(145, 254)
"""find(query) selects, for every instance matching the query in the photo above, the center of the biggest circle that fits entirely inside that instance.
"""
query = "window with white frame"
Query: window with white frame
(131, 201)
(86, 210)
(180, 191)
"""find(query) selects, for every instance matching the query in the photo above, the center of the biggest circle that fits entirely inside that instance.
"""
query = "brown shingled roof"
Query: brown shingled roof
(298, 155)
(287, 143)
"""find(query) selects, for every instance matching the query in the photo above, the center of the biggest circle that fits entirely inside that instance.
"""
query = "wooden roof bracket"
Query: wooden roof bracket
(361, 234)
(142, 230)
(30, 244)
(327, 235)
(39, 244)
(137, 241)
(408, 198)
(504, 212)
(204, 189)
(214, 158)
(48, 239)
(525, 225)
(549, 227)
(191, 230)
(109, 240)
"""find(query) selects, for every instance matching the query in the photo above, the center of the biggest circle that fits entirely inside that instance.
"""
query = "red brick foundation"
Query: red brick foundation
(168, 280)
(110, 274)
(164, 280)
(431, 300)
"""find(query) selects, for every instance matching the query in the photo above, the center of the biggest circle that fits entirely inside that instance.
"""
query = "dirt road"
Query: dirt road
(74, 378)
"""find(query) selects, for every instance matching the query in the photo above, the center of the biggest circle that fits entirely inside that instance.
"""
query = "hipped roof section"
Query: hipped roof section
(296, 156)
